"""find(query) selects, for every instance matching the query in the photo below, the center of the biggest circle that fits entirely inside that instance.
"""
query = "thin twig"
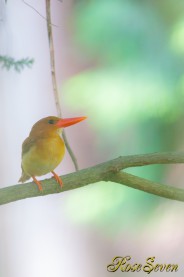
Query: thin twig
(54, 81)
(108, 171)
(27, 4)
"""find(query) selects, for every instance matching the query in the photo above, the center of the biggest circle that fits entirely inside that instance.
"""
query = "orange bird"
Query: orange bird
(44, 149)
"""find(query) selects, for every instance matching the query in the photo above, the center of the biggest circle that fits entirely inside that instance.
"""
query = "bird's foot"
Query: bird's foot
(37, 183)
(57, 178)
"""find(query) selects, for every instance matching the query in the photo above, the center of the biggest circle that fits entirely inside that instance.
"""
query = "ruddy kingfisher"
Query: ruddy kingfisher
(44, 149)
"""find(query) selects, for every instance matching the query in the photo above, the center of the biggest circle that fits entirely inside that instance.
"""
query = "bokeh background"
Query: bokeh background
(121, 63)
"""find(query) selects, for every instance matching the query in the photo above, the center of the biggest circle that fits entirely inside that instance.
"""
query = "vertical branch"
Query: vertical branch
(54, 81)
(52, 57)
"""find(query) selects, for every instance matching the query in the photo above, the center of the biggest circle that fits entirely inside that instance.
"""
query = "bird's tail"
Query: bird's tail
(24, 177)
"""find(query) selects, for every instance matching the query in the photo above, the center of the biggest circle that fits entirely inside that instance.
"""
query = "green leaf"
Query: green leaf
(18, 65)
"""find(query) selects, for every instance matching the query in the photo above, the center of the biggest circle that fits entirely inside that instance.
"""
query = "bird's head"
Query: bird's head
(54, 124)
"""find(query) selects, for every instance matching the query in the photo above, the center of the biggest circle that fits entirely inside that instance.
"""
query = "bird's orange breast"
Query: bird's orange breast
(43, 156)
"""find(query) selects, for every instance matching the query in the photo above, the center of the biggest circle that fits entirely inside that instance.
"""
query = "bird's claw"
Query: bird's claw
(57, 178)
(38, 184)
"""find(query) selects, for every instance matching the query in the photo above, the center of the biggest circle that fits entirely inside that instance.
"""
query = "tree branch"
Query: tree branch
(54, 80)
(108, 171)
(148, 186)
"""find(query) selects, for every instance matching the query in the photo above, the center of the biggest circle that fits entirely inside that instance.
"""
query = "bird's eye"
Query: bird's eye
(51, 121)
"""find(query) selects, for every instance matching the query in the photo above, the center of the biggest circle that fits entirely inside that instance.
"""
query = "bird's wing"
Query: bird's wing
(28, 144)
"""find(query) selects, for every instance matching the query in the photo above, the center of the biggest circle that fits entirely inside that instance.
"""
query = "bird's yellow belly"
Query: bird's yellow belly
(43, 157)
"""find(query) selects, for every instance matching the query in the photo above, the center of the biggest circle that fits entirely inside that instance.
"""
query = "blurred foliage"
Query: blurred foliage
(177, 38)
(124, 96)
(116, 31)
(19, 65)
(132, 94)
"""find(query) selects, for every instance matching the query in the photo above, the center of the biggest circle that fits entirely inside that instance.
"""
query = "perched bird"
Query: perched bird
(44, 149)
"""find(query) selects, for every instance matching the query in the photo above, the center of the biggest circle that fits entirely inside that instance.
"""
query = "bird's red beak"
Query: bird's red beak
(65, 122)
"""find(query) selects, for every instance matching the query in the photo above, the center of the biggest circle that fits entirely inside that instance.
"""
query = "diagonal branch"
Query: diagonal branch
(148, 186)
(108, 171)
